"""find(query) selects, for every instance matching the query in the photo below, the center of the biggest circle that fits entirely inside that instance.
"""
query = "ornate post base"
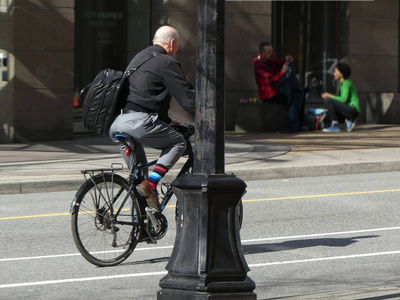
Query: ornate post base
(207, 261)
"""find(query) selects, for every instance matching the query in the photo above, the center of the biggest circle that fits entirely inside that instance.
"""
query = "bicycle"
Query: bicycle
(109, 216)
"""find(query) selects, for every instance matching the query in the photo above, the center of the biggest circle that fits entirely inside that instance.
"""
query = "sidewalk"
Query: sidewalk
(56, 166)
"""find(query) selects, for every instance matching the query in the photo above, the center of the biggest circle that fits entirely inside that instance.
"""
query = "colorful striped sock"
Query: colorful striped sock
(157, 174)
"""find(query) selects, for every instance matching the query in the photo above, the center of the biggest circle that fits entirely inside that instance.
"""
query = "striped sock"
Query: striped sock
(157, 174)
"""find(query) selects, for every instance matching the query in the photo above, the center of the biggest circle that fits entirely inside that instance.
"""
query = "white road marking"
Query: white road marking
(320, 234)
(76, 254)
(324, 259)
(243, 242)
(48, 282)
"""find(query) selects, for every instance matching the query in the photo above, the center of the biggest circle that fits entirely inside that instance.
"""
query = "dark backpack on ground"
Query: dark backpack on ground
(104, 98)
(314, 119)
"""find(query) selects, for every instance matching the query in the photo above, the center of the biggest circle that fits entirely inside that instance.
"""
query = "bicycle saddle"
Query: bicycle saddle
(122, 137)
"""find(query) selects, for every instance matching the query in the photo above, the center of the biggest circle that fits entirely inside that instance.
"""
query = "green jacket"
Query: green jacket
(348, 95)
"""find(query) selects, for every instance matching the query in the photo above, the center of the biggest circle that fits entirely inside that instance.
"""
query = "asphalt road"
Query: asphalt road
(300, 236)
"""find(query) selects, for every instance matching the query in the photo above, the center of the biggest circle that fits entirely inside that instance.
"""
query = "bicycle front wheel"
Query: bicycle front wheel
(105, 220)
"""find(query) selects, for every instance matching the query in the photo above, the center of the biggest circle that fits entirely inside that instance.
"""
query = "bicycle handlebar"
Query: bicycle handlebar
(186, 129)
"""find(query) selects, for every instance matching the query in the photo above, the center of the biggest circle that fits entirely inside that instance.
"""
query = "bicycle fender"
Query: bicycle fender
(74, 205)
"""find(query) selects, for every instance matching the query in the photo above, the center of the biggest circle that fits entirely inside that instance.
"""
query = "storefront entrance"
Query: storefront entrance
(107, 35)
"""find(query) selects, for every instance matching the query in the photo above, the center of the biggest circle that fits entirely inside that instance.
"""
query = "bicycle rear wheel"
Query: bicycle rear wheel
(105, 220)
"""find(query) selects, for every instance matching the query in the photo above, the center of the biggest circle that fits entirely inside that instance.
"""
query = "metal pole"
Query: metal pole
(207, 261)
(210, 87)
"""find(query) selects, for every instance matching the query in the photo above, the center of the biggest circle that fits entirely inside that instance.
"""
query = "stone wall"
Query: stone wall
(373, 57)
(36, 100)
(382, 108)
(247, 23)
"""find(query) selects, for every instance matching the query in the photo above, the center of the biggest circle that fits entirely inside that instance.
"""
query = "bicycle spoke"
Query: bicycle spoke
(105, 225)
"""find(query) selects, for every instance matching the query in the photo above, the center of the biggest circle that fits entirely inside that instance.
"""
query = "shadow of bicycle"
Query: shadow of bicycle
(299, 244)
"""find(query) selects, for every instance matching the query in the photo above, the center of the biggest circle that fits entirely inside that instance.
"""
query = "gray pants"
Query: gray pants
(148, 130)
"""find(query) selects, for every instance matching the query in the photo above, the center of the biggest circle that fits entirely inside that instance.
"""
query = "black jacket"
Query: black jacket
(153, 84)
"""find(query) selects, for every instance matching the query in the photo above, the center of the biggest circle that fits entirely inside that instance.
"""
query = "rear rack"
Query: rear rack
(92, 173)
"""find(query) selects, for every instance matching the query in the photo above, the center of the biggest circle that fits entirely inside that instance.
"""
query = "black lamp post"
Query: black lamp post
(207, 261)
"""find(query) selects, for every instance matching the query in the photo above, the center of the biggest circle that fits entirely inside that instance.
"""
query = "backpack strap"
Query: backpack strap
(134, 68)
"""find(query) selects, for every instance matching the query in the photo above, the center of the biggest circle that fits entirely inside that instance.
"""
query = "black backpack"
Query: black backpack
(314, 119)
(104, 98)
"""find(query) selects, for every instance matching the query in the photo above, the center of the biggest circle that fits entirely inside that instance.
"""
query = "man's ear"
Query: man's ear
(172, 44)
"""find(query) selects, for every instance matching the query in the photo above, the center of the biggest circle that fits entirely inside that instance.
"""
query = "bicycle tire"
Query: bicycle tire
(102, 239)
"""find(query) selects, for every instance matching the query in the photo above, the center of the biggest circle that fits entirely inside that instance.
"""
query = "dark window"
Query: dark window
(107, 35)
(316, 34)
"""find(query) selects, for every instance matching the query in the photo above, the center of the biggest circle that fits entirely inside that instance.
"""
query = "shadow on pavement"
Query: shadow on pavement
(299, 244)
(146, 261)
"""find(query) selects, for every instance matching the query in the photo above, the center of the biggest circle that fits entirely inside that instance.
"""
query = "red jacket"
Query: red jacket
(268, 73)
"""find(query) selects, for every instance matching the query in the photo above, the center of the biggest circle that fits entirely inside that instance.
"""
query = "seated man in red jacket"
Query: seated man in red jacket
(278, 83)
(268, 69)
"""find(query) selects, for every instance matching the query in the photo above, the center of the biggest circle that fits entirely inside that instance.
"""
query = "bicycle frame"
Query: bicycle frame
(109, 214)
(166, 196)
(136, 169)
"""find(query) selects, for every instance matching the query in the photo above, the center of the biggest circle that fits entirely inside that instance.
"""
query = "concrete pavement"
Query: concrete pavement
(373, 293)
(56, 166)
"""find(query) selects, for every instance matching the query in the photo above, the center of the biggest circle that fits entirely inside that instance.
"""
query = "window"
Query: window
(316, 35)
(107, 35)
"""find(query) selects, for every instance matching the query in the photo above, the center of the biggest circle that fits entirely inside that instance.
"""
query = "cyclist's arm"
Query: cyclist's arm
(178, 86)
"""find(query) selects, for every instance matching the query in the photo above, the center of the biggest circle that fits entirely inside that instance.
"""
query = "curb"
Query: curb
(40, 186)
(316, 170)
(72, 183)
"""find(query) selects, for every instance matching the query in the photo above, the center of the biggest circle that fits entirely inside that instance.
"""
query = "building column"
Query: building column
(36, 87)
(374, 59)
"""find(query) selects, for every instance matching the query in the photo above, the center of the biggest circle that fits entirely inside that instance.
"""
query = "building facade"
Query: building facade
(50, 49)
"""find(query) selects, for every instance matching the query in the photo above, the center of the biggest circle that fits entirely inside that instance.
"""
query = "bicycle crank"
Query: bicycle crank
(157, 224)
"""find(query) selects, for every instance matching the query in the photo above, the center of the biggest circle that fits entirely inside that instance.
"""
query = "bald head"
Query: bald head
(168, 38)
(165, 34)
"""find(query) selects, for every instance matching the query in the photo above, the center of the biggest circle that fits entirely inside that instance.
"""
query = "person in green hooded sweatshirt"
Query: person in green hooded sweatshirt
(346, 105)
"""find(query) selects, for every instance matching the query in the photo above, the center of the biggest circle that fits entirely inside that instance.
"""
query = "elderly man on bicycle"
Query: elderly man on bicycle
(145, 116)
